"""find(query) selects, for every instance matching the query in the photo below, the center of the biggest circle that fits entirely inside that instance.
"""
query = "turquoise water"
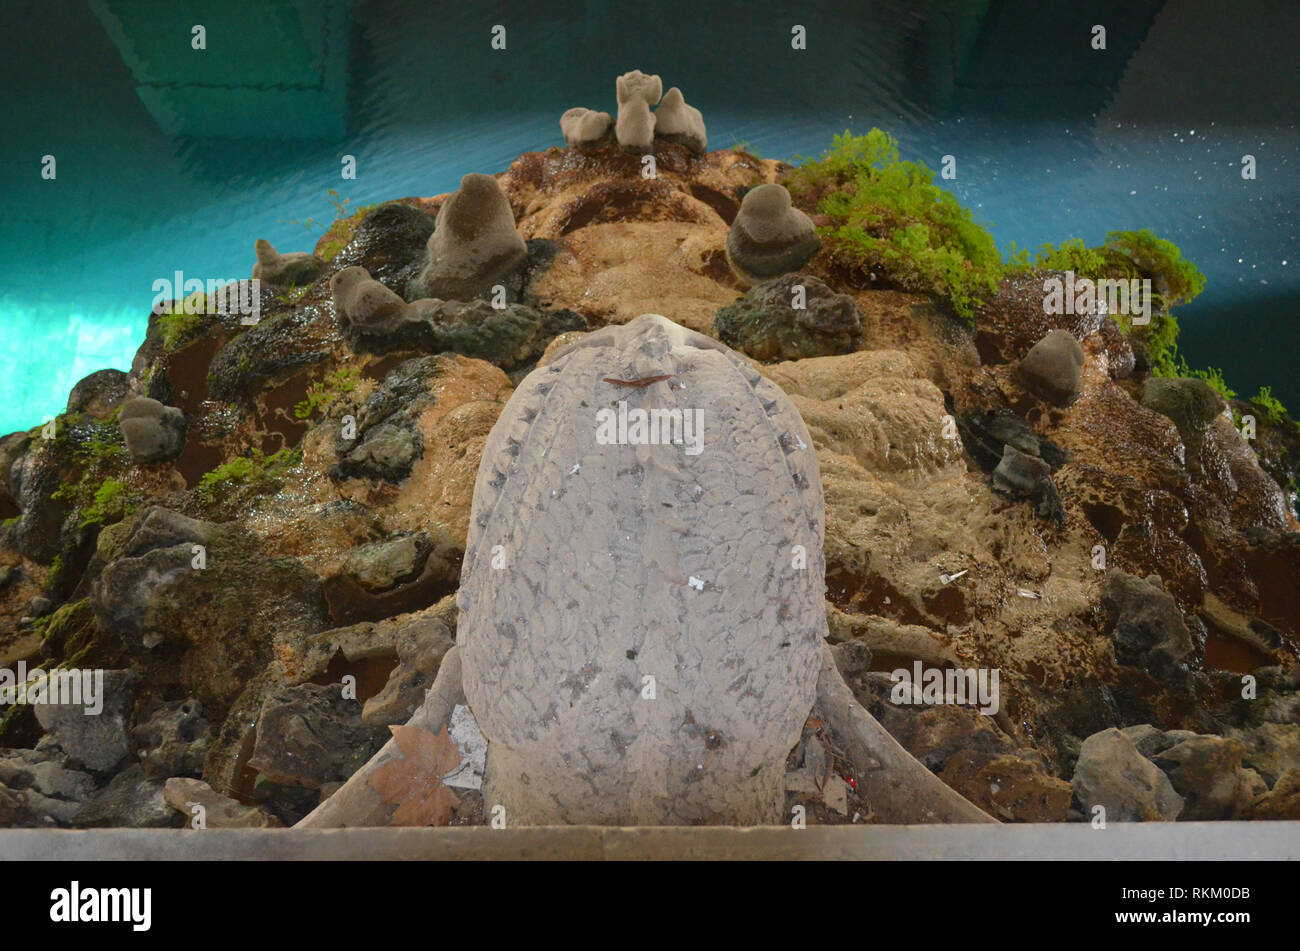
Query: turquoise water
(149, 180)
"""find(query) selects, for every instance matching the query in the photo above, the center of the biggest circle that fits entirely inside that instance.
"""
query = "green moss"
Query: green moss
(889, 216)
(324, 392)
(1273, 409)
(177, 326)
(255, 467)
(339, 233)
(110, 504)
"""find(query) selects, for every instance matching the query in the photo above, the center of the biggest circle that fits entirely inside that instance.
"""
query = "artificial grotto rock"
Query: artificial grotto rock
(152, 432)
(1051, 368)
(376, 320)
(474, 244)
(770, 237)
(99, 393)
(676, 121)
(1111, 773)
(585, 128)
(1149, 630)
(635, 126)
(1021, 475)
(1192, 405)
(295, 269)
(789, 318)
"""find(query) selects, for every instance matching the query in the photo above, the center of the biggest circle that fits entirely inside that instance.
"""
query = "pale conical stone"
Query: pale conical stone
(297, 269)
(474, 243)
(681, 123)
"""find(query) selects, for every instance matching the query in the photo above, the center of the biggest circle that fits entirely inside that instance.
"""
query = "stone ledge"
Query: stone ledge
(1137, 841)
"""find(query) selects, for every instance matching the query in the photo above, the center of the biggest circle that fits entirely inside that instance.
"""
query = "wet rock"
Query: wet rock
(635, 125)
(1110, 772)
(474, 245)
(936, 734)
(1028, 477)
(95, 740)
(1206, 771)
(12, 448)
(1192, 404)
(152, 432)
(310, 735)
(394, 576)
(376, 320)
(1148, 631)
(99, 394)
(585, 128)
(296, 269)
(770, 237)
(208, 626)
(985, 435)
(219, 811)
(1051, 369)
(389, 243)
(678, 122)
(767, 325)
(130, 800)
(1009, 787)
(35, 478)
(174, 740)
(268, 353)
(386, 451)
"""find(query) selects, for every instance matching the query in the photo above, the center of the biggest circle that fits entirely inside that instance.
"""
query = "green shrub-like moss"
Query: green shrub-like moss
(889, 216)
(254, 467)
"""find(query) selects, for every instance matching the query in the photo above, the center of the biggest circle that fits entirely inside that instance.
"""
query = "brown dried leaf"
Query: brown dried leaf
(414, 782)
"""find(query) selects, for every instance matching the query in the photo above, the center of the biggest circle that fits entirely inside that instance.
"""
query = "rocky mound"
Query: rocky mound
(275, 541)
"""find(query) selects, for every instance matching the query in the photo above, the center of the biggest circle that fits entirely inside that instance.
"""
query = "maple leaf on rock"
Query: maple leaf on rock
(414, 782)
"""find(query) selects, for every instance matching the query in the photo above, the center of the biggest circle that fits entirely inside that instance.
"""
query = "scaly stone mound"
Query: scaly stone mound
(789, 318)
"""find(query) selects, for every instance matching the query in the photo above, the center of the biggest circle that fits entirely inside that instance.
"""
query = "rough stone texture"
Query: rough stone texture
(401, 574)
(208, 629)
(295, 269)
(1028, 477)
(219, 810)
(130, 800)
(770, 237)
(624, 561)
(1111, 772)
(310, 735)
(474, 244)
(1282, 801)
(98, 394)
(679, 122)
(1206, 771)
(1051, 368)
(585, 128)
(173, 740)
(95, 741)
(635, 125)
(1191, 403)
(374, 319)
(765, 325)
(152, 432)
(1149, 630)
